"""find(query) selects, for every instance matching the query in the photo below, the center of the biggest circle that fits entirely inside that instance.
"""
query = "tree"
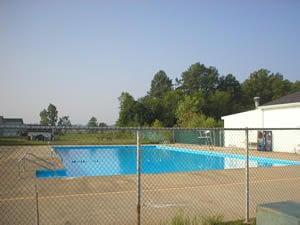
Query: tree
(64, 121)
(230, 85)
(194, 119)
(189, 113)
(128, 113)
(49, 117)
(102, 124)
(268, 86)
(200, 97)
(295, 86)
(52, 115)
(152, 109)
(189, 103)
(157, 124)
(219, 104)
(93, 122)
(44, 118)
(279, 86)
(169, 105)
(199, 78)
(230, 104)
(160, 84)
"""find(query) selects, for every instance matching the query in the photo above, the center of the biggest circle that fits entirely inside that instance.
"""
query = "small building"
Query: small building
(37, 133)
(280, 113)
(10, 131)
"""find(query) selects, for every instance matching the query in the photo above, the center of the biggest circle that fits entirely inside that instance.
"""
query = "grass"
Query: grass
(82, 138)
(181, 219)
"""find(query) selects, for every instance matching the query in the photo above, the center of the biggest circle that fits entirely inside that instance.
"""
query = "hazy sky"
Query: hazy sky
(80, 55)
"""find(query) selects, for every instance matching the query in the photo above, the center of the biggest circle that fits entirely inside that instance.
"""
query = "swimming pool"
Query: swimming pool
(121, 160)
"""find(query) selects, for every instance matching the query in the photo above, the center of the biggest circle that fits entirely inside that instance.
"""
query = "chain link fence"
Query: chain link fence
(80, 175)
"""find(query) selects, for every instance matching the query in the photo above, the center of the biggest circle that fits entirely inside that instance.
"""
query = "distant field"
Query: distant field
(76, 139)
(105, 138)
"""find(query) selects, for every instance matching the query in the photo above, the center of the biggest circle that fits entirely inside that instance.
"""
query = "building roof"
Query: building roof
(13, 120)
(292, 98)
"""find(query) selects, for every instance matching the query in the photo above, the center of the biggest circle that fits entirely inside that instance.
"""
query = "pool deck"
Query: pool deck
(112, 199)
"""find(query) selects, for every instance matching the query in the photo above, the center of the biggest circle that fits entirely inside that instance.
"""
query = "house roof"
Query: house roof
(13, 120)
(292, 98)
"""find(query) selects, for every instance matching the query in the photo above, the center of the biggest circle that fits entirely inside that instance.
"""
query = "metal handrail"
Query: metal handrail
(35, 160)
(38, 158)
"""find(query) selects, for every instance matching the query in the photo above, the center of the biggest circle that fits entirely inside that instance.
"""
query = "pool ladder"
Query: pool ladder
(34, 159)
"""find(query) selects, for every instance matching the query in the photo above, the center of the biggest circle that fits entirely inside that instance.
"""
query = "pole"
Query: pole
(138, 173)
(220, 138)
(37, 205)
(173, 135)
(247, 176)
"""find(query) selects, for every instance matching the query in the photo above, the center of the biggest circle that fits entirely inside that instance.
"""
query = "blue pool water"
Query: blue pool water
(121, 160)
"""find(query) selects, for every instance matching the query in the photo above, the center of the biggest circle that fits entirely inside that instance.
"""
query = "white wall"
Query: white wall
(280, 116)
(250, 119)
(283, 140)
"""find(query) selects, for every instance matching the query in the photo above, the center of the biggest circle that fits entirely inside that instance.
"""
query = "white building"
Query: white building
(280, 113)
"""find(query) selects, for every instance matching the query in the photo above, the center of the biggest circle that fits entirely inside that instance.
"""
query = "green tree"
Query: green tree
(49, 117)
(232, 103)
(268, 86)
(152, 109)
(295, 86)
(230, 85)
(157, 124)
(160, 84)
(196, 119)
(190, 103)
(64, 121)
(52, 114)
(93, 122)
(219, 104)
(189, 113)
(128, 114)
(170, 102)
(44, 118)
(197, 78)
(279, 85)
(102, 124)
(201, 97)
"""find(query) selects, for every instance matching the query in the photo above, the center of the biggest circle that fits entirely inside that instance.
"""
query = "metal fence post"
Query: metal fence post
(173, 136)
(138, 173)
(247, 176)
(37, 204)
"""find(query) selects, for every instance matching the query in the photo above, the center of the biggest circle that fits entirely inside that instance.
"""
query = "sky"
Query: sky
(80, 55)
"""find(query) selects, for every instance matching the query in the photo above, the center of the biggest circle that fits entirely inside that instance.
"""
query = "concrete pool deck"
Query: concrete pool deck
(112, 199)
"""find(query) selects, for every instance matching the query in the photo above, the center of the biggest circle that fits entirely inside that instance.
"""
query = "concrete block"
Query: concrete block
(278, 213)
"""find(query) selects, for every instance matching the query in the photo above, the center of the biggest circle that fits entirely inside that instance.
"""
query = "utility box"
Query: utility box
(278, 213)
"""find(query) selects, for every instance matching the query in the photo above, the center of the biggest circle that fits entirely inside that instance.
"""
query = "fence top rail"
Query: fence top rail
(32, 128)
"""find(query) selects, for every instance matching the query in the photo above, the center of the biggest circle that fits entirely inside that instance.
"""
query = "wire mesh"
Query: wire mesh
(80, 175)
(275, 177)
(190, 176)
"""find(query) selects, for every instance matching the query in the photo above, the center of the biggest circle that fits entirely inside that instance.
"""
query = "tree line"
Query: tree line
(49, 117)
(200, 97)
